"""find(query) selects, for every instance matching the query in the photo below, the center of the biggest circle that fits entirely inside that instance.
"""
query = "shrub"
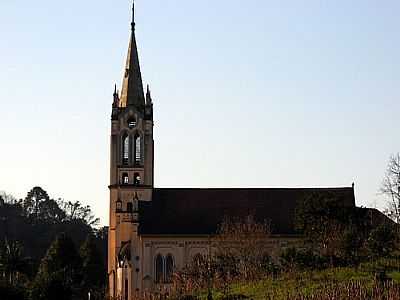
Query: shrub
(294, 258)
(234, 297)
(382, 241)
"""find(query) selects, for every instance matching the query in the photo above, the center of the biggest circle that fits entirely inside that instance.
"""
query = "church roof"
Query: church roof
(132, 86)
(200, 211)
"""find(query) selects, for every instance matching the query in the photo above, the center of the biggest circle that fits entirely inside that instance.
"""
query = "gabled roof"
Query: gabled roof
(200, 211)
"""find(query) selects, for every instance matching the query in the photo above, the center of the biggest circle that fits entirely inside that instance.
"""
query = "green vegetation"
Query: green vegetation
(342, 282)
(345, 254)
(39, 254)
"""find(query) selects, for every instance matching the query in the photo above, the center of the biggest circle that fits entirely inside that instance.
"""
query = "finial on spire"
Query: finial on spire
(133, 15)
(115, 89)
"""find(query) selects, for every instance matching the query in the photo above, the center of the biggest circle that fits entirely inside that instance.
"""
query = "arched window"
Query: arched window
(138, 150)
(136, 179)
(129, 207)
(125, 178)
(169, 268)
(159, 268)
(125, 157)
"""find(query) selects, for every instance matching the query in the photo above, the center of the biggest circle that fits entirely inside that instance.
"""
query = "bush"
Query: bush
(382, 241)
(294, 258)
(268, 266)
(234, 297)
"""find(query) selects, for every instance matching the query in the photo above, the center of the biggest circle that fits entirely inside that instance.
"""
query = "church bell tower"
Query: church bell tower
(131, 174)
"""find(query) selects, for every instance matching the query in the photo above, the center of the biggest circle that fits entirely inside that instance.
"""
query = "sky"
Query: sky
(250, 93)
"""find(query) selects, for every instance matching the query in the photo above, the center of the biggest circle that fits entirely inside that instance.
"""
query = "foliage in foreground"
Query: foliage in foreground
(38, 254)
(335, 265)
(333, 283)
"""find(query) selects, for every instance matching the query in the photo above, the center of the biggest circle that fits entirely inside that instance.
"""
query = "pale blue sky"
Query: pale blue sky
(250, 93)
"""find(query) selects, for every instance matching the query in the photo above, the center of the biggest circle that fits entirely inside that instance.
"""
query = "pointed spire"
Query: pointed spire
(148, 96)
(132, 88)
(115, 97)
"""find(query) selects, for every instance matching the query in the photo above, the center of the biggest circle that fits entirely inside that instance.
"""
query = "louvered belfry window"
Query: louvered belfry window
(126, 150)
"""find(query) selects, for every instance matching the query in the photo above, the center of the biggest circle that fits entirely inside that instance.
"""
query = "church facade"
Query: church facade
(154, 231)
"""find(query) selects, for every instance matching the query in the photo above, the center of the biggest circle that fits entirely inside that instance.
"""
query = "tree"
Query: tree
(76, 211)
(33, 201)
(59, 274)
(12, 261)
(237, 251)
(351, 245)
(7, 199)
(391, 187)
(241, 242)
(93, 271)
(39, 207)
(50, 212)
(382, 240)
(198, 274)
(323, 219)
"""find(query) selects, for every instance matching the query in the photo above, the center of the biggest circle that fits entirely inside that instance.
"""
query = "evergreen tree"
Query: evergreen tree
(33, 201)
(39, 207)
(59, 274)
(93, 271)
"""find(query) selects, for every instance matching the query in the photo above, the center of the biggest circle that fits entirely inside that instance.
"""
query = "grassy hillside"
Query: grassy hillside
(366, 282)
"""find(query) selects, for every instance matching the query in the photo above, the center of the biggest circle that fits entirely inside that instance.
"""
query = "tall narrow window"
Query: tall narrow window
(169, 268)
(126, 289)
(159, 269)
(135, 205)
(136, 179)
(125, 178)
(138, 150)
(119, 205)
(129, 207)
(126, 150)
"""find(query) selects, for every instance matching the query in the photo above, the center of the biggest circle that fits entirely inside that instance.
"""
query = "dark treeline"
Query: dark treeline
(50, 246)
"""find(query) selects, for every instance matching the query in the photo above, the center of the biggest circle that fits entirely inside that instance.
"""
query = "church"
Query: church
(154, 231)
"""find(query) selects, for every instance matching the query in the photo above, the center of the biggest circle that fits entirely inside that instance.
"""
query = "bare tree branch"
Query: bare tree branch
(391, 187)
